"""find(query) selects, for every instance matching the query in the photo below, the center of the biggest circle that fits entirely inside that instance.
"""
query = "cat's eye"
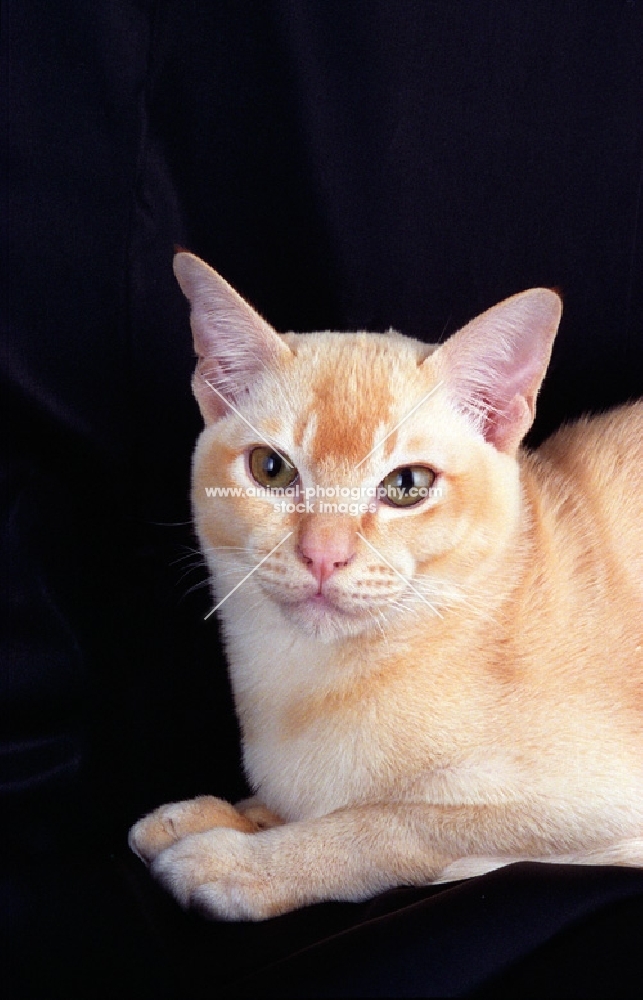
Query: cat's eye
(407, 486)
(269, 469)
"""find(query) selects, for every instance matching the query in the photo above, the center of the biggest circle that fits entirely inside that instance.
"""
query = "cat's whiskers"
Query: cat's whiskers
(191, 561)
(225, 548)
(380, 620)
(193, 555)
(451, 597)
(190, 554)
(196, 586)
(191, 569)
(404, 605)
(222, 572)
(238, 552)
(172, 524)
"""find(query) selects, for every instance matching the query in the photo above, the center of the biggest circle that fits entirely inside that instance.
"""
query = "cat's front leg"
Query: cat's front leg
(172, 822)
(348, 855)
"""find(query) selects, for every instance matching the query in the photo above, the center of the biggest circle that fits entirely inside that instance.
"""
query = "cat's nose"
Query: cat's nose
(325, 549)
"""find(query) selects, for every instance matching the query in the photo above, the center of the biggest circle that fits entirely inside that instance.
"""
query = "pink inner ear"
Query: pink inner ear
(495, 364)
(234, 344)
(232, 354)
(206, 376)
(502, 430)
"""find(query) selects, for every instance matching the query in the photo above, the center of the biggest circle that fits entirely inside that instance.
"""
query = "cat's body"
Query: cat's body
(425, 691)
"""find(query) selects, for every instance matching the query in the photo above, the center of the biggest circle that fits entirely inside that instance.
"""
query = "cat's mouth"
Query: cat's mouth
(320, 603)
(319, 600)
(327, 612)
(321, 616)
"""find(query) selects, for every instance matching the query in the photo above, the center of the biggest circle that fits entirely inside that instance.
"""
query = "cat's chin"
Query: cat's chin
(321, 619)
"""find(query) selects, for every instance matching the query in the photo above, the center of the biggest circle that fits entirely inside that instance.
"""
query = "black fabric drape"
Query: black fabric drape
(345, 164)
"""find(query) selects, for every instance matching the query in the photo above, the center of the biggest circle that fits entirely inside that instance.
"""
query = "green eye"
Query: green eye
(407, 486)
(269, 469)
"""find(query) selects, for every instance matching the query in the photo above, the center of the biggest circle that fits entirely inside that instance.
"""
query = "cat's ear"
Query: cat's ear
(493, 366)
(233, 343)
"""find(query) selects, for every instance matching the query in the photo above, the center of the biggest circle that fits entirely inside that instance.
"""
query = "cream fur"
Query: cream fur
(392, 741)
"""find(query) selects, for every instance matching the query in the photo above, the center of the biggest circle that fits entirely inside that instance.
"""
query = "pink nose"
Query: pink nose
(325, 551)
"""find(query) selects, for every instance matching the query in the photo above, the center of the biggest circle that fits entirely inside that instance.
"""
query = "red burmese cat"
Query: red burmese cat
(442, 676)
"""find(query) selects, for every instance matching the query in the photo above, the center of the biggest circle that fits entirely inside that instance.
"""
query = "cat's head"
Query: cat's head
(361, 476)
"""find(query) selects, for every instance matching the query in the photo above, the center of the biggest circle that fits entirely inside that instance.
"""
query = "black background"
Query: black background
(355, 164)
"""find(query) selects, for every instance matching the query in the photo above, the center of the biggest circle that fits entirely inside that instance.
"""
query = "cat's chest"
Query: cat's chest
(311, 746)
(309, 751)
(334, 761)
(323, 729)
(304, 778)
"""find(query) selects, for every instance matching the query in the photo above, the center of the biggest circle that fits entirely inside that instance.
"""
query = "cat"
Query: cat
(444, 678)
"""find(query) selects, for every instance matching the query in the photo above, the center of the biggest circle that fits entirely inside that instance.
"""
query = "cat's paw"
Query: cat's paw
(170, 823)
(262, 817)
(222, 873)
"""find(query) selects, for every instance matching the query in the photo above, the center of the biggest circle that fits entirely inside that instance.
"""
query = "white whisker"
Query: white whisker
(196, 586)
(377, 618)
(452, 597)
(225, 548)
(191, 569)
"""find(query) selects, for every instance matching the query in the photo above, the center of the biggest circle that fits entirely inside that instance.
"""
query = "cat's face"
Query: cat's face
(367, 475)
